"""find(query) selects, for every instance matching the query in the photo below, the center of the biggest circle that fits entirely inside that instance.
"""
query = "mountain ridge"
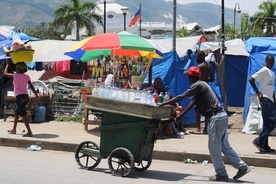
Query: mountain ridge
(29, 13)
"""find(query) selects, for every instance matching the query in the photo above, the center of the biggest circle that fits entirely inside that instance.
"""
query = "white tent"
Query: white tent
(51, 50)
(182, 44)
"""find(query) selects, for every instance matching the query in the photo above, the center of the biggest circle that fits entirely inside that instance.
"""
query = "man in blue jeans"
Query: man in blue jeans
(208, 105)
(265, 78)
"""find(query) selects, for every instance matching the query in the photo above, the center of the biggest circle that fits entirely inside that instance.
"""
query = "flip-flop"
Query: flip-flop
(28, 135)
(11, 132)
(196, 132)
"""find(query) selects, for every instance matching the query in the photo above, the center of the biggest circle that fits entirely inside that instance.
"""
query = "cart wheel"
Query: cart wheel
(120, 161)
(84, 160)
(144, 165)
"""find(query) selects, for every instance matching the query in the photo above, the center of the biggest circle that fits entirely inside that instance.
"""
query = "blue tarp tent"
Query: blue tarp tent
(236, 67)
(7, 44)
(24, 37)
(170, 68)
(258, 48)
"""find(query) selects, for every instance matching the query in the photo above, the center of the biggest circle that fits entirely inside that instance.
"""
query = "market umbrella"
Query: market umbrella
(114, 44)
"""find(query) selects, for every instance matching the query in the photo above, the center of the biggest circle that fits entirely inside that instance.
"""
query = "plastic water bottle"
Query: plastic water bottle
(131, 95)
(144, 96)
(155, 96)
(161, 97)
(166, 97)
(149, 97)
(126, 94)
(108, 91)
(95, 91)
(114, 93)
(100, 91)
(137, 97)
(120, 94)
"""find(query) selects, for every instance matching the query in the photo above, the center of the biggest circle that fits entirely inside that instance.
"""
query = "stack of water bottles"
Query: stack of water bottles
(129, 95)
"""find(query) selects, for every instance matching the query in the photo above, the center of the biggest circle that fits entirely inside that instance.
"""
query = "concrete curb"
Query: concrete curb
(161, 155)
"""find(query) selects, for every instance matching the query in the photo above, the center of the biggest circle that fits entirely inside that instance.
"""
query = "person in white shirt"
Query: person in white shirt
(265, 78)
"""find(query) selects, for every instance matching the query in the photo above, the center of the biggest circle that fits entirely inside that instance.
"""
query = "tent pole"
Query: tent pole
(148, 70)
(223, 48)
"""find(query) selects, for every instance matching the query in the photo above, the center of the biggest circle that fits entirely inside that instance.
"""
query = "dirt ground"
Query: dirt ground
(235, 119)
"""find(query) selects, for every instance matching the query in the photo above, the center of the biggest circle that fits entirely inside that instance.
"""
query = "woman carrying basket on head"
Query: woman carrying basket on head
(20, 81)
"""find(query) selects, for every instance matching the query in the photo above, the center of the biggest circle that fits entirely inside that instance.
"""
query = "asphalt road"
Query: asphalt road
(19, 165)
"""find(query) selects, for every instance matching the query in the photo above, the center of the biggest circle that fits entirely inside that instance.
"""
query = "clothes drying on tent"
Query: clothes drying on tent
(77, 67)
(62, 66)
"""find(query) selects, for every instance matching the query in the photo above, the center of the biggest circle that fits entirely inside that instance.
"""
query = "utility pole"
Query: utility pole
(174, 25)
(104, 16)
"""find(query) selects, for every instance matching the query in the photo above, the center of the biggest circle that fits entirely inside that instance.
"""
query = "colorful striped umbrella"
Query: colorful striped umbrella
(114, 44)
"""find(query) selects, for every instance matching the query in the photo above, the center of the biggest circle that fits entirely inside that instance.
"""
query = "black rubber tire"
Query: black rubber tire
(87, 161)
(120, 161)
(144, 165)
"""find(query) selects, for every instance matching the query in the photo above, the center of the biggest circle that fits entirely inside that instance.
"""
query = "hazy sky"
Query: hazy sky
(247, 6)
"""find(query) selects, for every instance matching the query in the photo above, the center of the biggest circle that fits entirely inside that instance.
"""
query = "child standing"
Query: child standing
(20, 81)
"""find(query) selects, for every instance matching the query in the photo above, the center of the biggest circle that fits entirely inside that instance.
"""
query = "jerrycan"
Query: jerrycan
(40, 113)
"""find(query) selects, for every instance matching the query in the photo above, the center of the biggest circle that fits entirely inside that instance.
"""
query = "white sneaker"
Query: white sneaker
(179, 133)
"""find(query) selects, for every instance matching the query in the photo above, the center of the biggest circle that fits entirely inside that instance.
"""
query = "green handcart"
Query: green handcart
(128, 134)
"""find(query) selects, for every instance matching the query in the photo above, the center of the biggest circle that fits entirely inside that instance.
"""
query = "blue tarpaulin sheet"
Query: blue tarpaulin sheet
(170, 69)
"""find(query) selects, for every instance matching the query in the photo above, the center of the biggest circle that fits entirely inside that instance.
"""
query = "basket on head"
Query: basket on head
(21, 55)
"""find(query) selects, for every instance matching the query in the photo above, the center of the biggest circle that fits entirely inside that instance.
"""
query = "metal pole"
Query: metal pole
(104, 16)
(124, 21)
(222, 80)
(235, 12)
(174, 25)
(222, 29)
(235, 17)
(140, 21)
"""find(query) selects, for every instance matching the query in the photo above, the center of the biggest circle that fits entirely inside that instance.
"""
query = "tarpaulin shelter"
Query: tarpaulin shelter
(171, 69)
(258, 48)
(51, 50)
(2, 37)
(235, 69)
(172, 65)
(23, 36)
(236, 66)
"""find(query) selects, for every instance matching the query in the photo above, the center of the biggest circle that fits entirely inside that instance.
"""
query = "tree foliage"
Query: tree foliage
(184, 32)
(265, 19)
(45, 31)
(79, 15)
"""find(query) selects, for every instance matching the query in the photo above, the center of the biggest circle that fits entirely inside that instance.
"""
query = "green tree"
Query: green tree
(44, 31)
(265, 19)
(247, 29)
(184, 32)
(79, 15)
(230, 32)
